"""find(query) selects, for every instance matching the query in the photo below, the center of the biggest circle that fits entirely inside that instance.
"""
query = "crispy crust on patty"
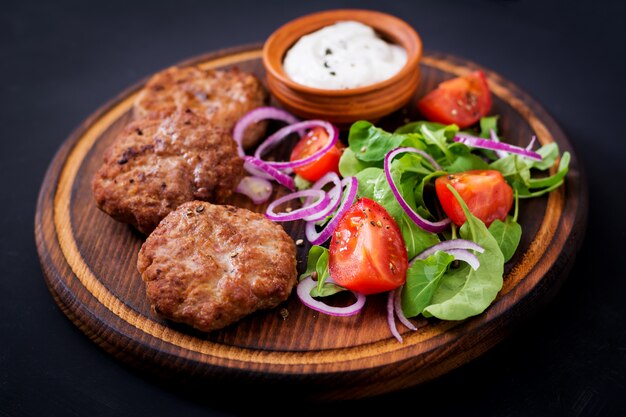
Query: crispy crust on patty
(222, 96)
(155, 165)
(209, 266)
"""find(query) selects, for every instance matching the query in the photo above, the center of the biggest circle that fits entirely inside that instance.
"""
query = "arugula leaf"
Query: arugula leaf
(507, 234)
(551, 180)
(465, 292)
(422, 279)
(486, 124)
(549, 154)
(439, 139)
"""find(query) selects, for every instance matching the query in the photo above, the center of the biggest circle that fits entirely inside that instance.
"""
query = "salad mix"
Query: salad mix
(427, 213)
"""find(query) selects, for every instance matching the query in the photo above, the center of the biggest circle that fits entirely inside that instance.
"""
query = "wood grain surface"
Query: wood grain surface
(89, 263)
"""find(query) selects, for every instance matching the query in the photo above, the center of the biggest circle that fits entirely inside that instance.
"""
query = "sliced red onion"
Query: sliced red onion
(495, 138)
(433, 227)
(447, 245)
(256, 115)
(317, 238)
(321, 203)
(391, 320)
(257, 189)
(304, 293)
(261, 169)
(532, 143)
(333, 137)
(496, 146)
(397, 305)
(465, 256)
(334, 194)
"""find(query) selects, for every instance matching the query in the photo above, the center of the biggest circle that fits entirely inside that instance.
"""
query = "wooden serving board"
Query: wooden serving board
(89, 263)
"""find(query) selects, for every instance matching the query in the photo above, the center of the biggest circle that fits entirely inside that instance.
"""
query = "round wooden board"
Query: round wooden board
(89, 263)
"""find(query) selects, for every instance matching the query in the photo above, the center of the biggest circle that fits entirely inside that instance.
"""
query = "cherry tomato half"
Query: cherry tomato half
(462, 101)
(313, 141)
(367, 251)
(485, 192)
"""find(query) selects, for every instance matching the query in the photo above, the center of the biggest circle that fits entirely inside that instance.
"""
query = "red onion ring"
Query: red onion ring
(257, 189)
(447, 245)
(261, 169)
(397, 306)
(317, 238)
(433, 227)
(304, 293)
(465, 256)
(391, 320)
(307, 210)
(496, 146)
(256, 115)
(333, 135)
(495, 138)
(334, 194)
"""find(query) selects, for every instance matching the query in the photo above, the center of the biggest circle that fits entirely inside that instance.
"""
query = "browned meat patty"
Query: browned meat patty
(209, 266)
(155, 165)
(222, 96)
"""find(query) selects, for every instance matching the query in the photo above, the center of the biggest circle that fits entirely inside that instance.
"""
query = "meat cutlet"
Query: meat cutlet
(155, 165)
(222, 96)
(209, 265)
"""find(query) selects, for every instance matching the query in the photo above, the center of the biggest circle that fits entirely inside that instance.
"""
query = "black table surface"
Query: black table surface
(59, 61)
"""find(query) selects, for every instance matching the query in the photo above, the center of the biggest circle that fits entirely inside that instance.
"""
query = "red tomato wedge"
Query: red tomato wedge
(486, 193)
(367, 251)
(462, 101)
(313, 141)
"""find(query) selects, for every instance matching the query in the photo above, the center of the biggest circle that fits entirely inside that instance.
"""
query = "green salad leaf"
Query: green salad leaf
(467, 292)
(422, 279)
(317, 263)
(508, 234)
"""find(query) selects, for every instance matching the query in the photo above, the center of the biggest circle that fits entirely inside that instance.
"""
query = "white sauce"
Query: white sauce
(344, 55)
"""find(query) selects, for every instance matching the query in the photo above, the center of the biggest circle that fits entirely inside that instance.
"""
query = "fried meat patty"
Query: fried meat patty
(155, 165)
(208, 266)
(222, 96)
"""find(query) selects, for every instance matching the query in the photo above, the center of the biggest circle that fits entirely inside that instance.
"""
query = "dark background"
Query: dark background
(60, 61)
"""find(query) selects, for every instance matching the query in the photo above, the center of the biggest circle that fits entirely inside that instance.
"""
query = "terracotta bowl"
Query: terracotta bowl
(343, 107)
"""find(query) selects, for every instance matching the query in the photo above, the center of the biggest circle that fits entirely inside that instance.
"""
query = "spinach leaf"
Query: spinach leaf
(422, 279)
(350, 165)
(466, 162)
(373, 185)
(318, 262)
(465, 292)
(507, 234)
(439, 139)
(416, 239)
(371, 143)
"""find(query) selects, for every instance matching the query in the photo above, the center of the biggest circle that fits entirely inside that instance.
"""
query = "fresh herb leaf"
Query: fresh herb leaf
(371, 143)
(416, 239)
(487, 124)
(422, 279)
(350, 165)
(507, 234)
(317, 262)
(466, 292)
